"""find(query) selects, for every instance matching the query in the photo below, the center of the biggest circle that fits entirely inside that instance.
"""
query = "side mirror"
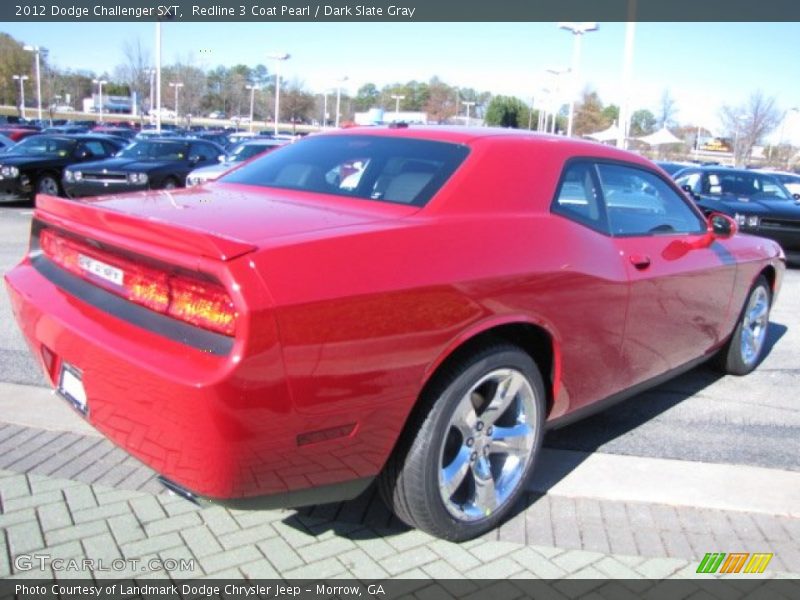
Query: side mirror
(221, 158)
(796, 196)
(194, 159)
(85, 155)
(722, 226)
(688, 189)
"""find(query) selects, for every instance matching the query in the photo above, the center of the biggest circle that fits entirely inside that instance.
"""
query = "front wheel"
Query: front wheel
(48, 184)
(170, 184)
(466, 456)
(745, 349)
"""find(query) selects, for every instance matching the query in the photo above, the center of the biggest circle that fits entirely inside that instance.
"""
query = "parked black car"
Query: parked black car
(146, 164)
(35, 165)
(759, 203)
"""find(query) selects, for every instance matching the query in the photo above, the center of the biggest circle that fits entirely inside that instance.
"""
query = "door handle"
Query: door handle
(640, 261)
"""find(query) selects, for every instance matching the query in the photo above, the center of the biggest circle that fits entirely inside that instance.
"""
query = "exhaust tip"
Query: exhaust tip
(178, 490)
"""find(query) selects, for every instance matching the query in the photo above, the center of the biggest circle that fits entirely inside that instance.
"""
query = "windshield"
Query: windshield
(244, 151)
(155, 150)
(41, 145)
(407, 171)
(745, 184)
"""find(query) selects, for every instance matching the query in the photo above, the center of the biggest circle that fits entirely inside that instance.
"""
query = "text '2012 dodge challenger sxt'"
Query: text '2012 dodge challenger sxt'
(412, 305)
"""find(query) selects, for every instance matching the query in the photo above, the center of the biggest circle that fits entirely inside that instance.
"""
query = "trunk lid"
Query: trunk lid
(220, 221)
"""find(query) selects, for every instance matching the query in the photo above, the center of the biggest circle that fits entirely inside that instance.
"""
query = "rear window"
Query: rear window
(400, 170)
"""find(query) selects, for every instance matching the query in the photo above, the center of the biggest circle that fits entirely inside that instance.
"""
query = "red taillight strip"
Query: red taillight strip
(195, 301)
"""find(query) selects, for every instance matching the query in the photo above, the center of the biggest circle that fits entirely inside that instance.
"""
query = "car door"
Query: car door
(590, 290)
(681, 279)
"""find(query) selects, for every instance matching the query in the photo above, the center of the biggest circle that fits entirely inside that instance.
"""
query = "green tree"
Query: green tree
(643, 122)
(507, 111)
(367, 97)
(14, 60)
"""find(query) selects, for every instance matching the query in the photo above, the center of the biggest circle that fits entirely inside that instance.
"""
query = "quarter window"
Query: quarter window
(640, 203)
(577, 196)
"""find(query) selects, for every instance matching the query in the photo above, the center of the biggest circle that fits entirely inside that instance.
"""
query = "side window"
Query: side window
(96, 148)
(577, 197)
(203, 153)
(691, 179)
(641, 203)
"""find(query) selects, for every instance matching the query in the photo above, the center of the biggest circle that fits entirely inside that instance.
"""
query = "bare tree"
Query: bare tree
(748, 123)
(135, 71)
(665, 116)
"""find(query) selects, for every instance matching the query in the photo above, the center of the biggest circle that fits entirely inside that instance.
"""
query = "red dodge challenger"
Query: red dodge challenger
(412, 305)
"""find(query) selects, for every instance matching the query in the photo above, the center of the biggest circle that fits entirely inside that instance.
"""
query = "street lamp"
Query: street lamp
(556, 94)
(252, 89)
(35, 50)
(100, 83)
(177, 85)
(279, 58)
(794, 109)
(21, 79)
(467, 104)
(397, 99)
(339, 96)
(151, 108)
(578, 30)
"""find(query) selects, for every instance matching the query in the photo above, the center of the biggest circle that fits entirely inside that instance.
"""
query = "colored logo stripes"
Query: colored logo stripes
(735, 562)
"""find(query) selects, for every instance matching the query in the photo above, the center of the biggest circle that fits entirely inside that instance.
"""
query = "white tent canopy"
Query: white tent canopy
(607, 135)
(660, 137)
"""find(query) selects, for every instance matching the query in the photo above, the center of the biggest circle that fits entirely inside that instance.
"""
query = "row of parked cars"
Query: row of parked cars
(765, 203)
(74, 161)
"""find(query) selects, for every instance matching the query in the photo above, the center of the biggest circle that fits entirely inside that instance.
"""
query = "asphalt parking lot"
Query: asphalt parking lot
(704, 463)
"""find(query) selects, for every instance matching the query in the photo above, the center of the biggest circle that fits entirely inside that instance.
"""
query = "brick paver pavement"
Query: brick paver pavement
(78, 497)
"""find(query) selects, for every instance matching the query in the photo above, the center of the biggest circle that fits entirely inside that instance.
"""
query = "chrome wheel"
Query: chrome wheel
(170, 184)
(488, 445)
(754, 325)
(48, 185)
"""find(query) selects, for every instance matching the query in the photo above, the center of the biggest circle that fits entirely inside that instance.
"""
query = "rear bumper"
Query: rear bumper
(223, 427)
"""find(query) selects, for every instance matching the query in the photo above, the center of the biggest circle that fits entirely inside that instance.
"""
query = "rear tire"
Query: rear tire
(466, 454)
(745, 349)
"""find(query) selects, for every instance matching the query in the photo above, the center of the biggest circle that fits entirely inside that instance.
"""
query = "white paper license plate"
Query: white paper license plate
(100, 269)
(70, 387)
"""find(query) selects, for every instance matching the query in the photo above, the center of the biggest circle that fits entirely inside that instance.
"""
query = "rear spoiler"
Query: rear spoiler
(80, 214)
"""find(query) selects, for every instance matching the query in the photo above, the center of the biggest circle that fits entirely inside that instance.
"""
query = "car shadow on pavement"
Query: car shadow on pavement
(366, 517)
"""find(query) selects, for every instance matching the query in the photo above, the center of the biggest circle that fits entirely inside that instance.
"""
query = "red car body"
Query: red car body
(346, 307)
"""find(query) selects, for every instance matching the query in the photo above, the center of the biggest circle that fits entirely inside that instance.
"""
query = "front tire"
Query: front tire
(170, 183)
(466, 455)
(48, 184)
(745, 349)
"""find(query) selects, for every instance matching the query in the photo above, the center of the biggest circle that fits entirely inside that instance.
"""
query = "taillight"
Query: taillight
(196, 301)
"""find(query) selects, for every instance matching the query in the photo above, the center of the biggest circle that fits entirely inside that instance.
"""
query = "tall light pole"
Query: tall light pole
(152, 90)
(397, 98)
(556, 94)
(100, 83)
(339, 96)
(158, 77)
(21, 79)
(325, 109)
(252, 89)
(578, 30)
(794, 109)
(467, 104)
(35, 50)
(279, 58)
(177, 85)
